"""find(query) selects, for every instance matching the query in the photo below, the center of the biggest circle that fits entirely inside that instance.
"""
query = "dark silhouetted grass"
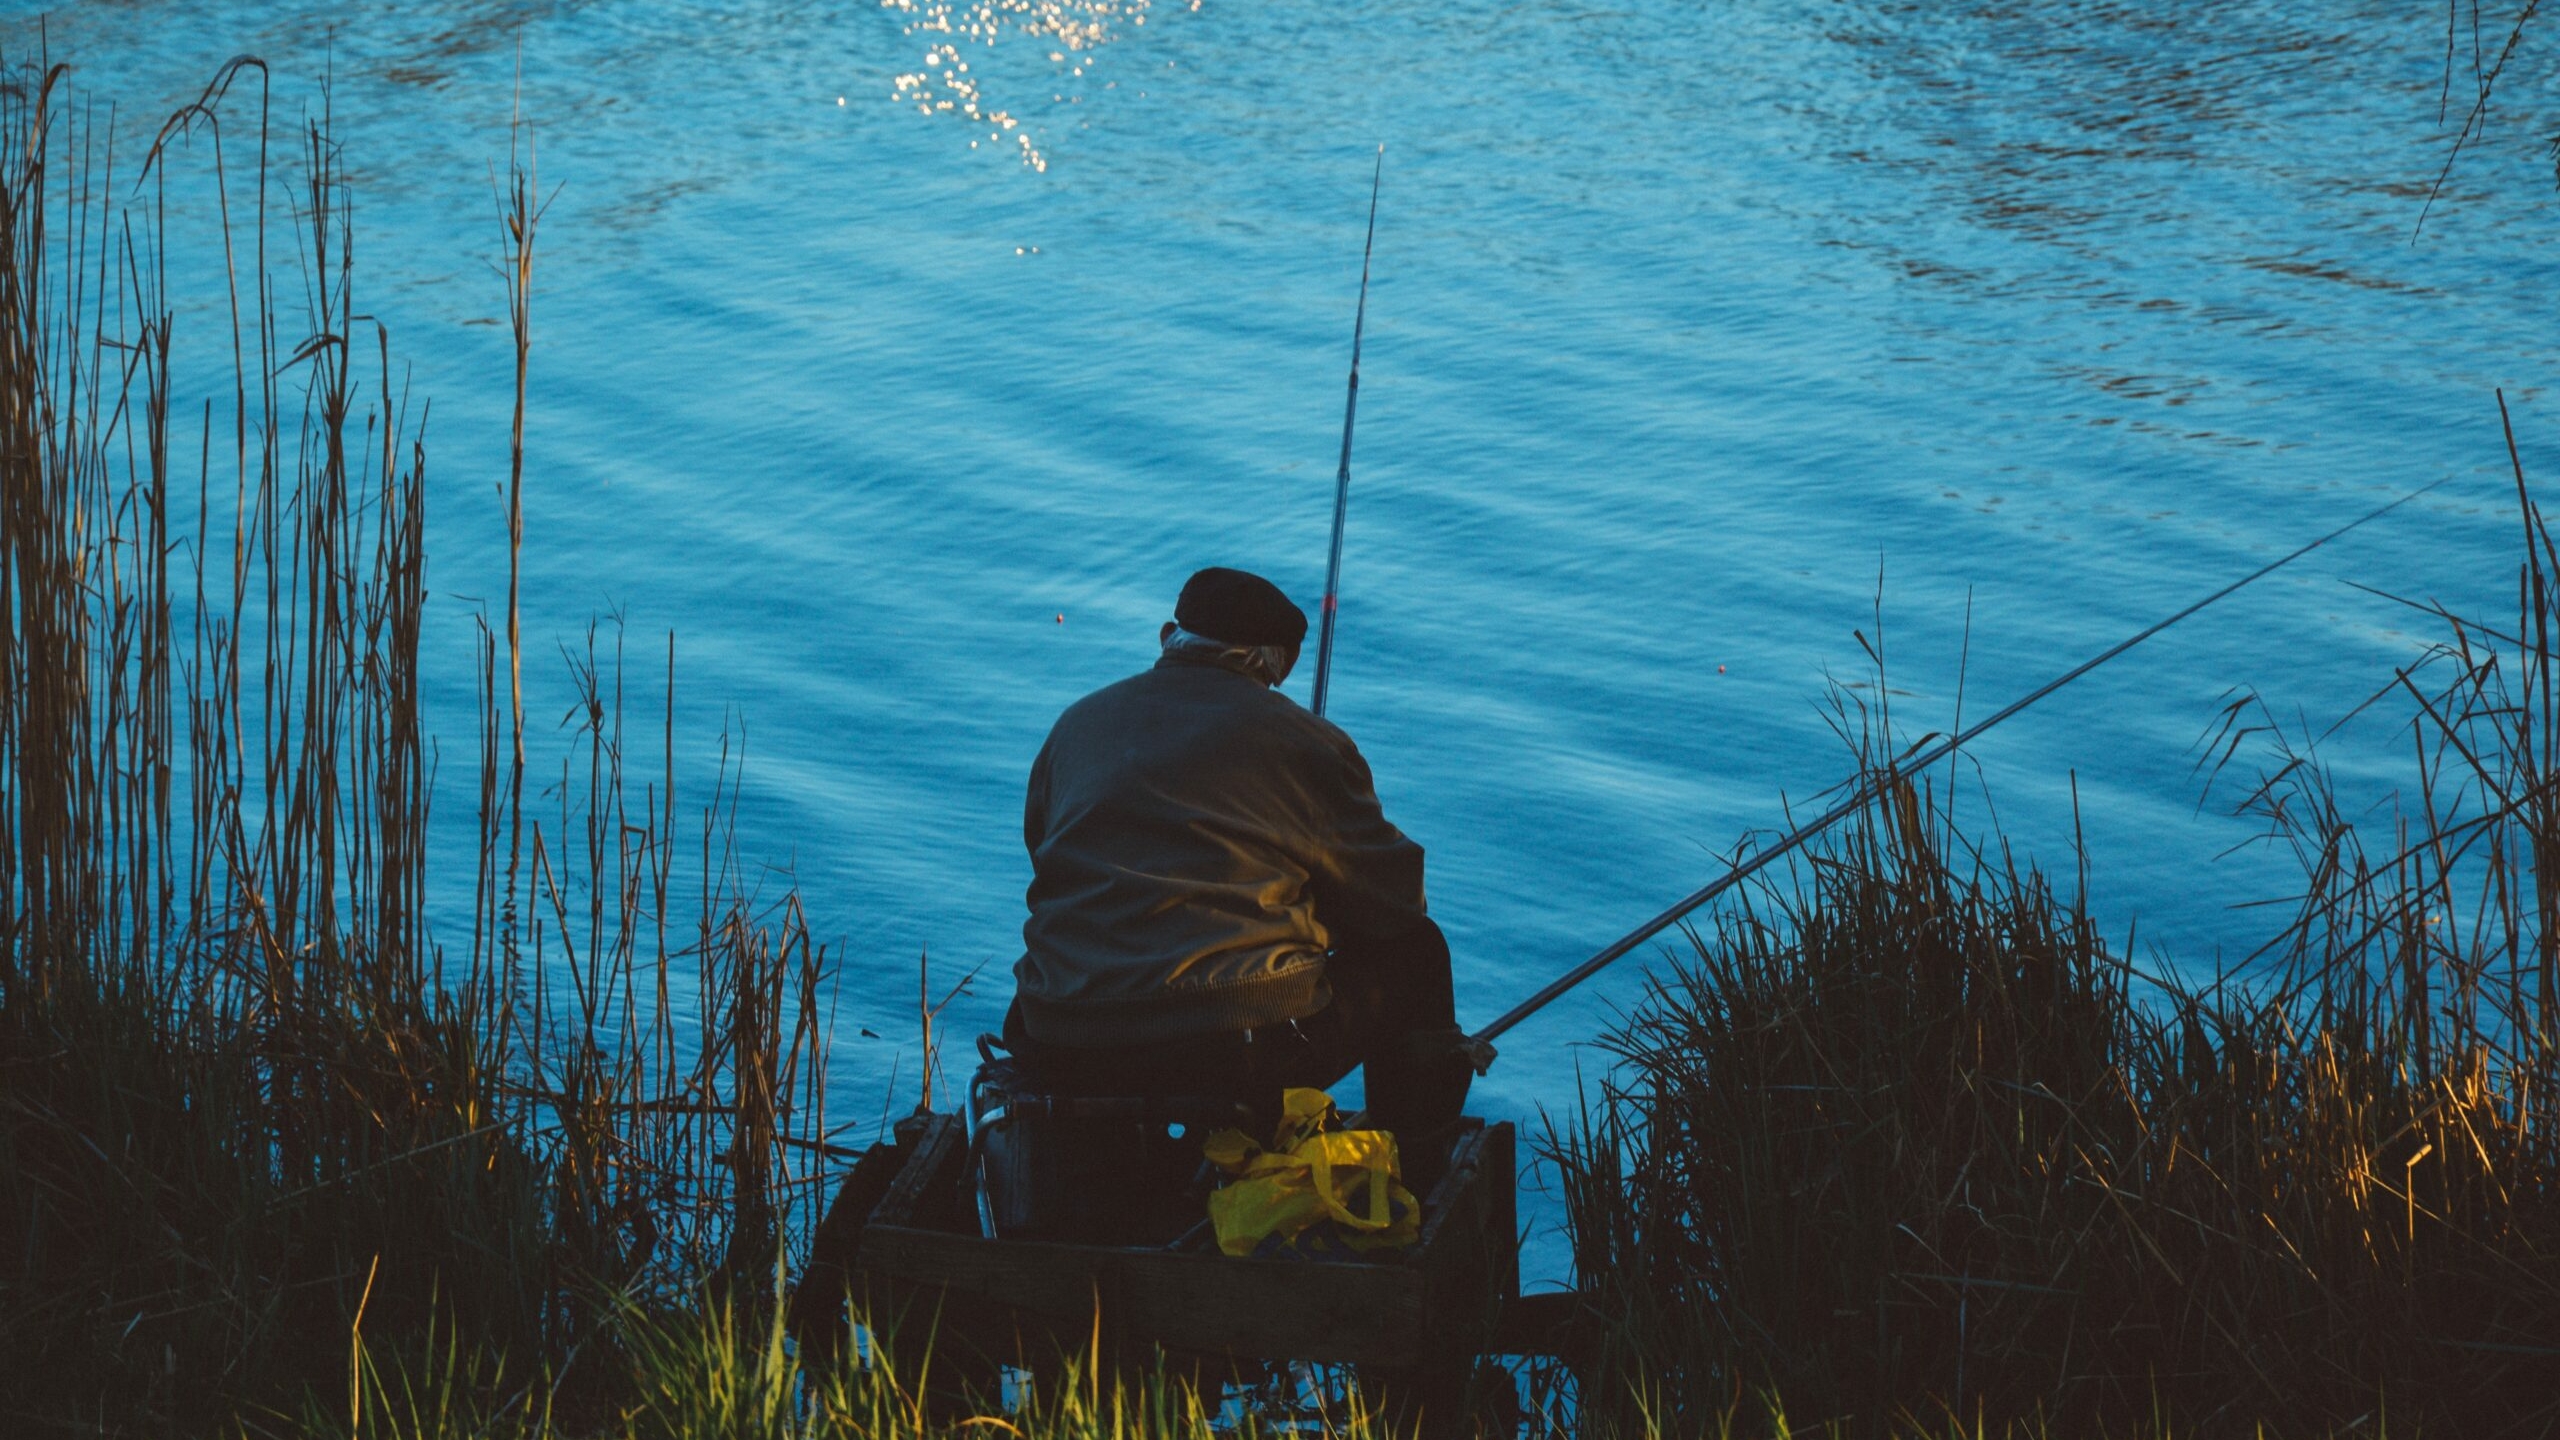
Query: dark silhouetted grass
(254, 1119)
(1901, 1140)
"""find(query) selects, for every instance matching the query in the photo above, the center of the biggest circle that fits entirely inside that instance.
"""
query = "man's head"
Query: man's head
(1240, 609)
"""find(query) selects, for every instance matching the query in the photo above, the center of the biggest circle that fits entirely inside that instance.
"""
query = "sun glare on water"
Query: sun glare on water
(1068, 33)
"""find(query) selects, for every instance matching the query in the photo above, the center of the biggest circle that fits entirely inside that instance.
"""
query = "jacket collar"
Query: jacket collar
(1248, 661)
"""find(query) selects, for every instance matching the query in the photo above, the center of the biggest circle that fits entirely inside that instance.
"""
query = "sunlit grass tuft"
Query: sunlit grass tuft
(1901, 1140)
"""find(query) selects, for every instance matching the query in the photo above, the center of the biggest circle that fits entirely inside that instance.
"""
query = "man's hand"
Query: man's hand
(1426, 1046)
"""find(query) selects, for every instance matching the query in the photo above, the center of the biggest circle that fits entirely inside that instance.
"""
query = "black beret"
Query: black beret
(1239, 608)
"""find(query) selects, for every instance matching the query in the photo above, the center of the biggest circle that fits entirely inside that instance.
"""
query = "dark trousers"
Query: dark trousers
(1393, 1011)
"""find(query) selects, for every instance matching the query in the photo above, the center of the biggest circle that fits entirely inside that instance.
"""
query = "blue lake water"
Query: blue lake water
(1693, 328)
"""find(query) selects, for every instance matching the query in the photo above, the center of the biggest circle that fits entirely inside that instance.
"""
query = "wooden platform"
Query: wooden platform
(919, 1262)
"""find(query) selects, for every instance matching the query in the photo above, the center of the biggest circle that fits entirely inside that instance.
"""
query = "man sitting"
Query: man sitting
(1217, 905)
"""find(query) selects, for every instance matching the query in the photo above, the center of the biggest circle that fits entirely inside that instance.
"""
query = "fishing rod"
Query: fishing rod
(1342, 476)
(1868, 789)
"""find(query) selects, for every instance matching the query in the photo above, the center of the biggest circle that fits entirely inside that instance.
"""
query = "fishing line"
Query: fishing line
(1342, 476)
(1868, 789)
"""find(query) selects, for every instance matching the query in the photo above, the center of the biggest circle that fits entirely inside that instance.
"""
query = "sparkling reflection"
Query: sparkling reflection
(1068, 33)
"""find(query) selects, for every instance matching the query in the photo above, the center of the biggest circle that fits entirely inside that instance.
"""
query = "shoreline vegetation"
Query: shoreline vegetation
(1899, 1146)
(253, 1119)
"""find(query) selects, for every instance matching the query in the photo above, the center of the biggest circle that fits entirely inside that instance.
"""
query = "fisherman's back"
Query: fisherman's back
(1217, 906)
(1198, 841)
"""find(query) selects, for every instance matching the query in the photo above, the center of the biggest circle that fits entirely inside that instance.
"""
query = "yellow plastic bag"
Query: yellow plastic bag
(1313, 1193)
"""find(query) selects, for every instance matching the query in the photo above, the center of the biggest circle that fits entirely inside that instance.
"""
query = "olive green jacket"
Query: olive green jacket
(1198, 842)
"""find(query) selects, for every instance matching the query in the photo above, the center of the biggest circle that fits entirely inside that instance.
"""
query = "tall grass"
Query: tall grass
(725, 1369)
(1902, 1141)
(252, 1114)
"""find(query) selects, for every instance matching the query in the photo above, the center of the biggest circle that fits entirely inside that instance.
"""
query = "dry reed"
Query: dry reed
(1902, 1142)
(249, 1119)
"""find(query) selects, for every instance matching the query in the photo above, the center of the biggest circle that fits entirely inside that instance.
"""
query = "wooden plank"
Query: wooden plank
(1465, 1162)
(922, 1193)
(1502, 1223)
(1470, 1259)
(1264, 1309)
(1554, 1322)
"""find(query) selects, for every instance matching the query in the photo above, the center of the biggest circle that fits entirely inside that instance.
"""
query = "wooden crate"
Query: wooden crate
(921, 1261)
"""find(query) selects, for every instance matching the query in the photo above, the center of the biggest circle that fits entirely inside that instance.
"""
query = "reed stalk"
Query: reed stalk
(1901, 1141)
(250, 1120)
